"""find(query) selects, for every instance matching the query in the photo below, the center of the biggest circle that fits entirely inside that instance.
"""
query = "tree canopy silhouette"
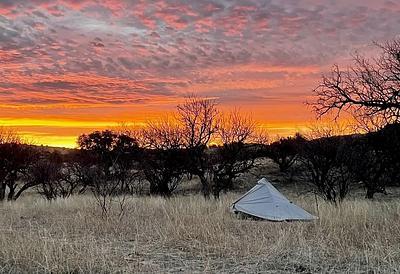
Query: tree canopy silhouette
(199, 120)
(15, 158)
(369, 88)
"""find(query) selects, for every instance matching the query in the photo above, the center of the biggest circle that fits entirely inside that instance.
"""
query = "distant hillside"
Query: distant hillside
(61, 150)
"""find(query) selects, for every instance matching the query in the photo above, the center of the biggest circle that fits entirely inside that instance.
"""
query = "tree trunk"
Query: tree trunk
(216, 192)
(370, 193)
(283, 166)
(205, 186)
(153, 188)
(10, 196)
(2, 191)
(164, 189)
(22, 189)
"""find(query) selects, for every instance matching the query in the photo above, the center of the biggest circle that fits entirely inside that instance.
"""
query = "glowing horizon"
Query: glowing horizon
(30, 131)
(69, 67)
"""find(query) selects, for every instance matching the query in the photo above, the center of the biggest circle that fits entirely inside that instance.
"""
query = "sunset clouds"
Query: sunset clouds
(112, 61)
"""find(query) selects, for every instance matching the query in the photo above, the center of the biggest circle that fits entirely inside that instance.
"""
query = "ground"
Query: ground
(191, 235)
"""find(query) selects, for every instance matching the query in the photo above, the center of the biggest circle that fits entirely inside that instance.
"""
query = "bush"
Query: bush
(324, 166)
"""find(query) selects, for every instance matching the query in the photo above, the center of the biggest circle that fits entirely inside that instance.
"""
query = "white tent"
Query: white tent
(266, 202)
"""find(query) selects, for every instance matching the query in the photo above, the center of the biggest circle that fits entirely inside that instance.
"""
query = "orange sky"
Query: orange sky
(69, 67)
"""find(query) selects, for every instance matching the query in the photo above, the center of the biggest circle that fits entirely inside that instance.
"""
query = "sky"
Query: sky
(68, 67)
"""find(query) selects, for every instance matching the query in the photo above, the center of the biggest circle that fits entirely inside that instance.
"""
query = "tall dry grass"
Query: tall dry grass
(190, 234)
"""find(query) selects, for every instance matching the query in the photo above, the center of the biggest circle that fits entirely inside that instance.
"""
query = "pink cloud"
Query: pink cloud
(62, 55)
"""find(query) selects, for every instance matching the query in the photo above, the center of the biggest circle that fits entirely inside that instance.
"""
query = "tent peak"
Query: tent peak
(263, 181)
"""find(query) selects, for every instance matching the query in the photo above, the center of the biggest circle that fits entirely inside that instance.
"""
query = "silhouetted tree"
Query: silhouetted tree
(80, 164)
(15, 159)
(52, 176)
(198, 118)
(163, 161)
(113, 171)
(370, 88)
(236, 155)
(368, 165)
(375, 159)
(388, 141)
(324, 166)
(285, 151)
(114, 153)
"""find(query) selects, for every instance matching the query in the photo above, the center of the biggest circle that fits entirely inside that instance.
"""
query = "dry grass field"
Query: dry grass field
(191, 235)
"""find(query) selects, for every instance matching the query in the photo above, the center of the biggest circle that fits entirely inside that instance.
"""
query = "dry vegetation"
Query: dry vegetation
(190, 234)
(181, 231)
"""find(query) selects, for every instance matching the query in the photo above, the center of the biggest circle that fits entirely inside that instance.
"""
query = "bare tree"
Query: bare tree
(52, 176)
(324, 167)
(237, 154)
(326, 128)
(236, 128)
(198, 117)
(9, 136)
(163, 161)
(366, 124)
(371, 87)
(324, 159)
